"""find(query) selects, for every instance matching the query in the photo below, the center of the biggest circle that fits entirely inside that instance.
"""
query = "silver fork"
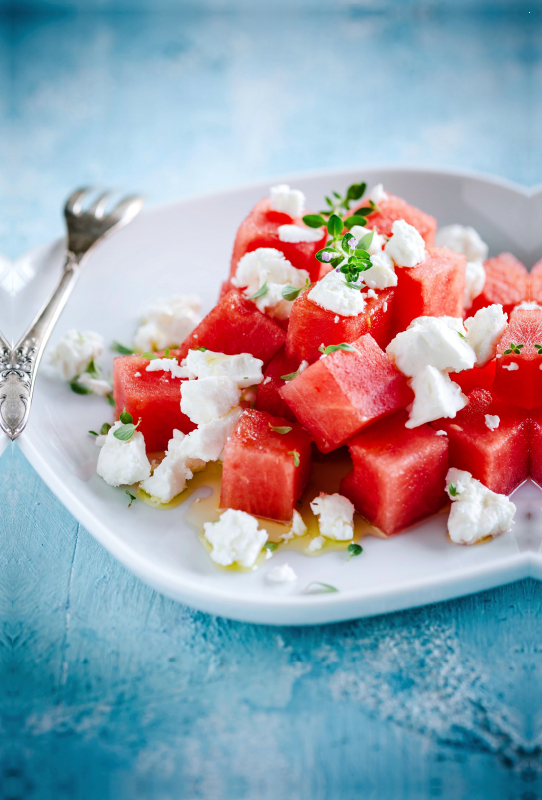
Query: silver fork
(18, 366)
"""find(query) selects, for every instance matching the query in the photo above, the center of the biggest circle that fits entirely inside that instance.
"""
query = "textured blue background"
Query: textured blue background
(108, 690)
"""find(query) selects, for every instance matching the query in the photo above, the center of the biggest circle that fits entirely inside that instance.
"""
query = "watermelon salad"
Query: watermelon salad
(361, 371)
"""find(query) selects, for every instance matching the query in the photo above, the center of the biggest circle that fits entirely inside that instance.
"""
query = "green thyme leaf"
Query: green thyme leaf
(354, 550)
(167, 351)
(271, 546)
(106, 427)
(331, 348)
(93, 433)
(148, 356)
(364, 211)
(125, 432)
(366, 241)
(295, 454)
(131, 496)
(355, 220)
(93, 370)
(355, 191)
(111, 400)
(201, 349)
(314, 220)
(261, 291)
(122, 349)
(76, 387)
(335, 225)
(357, 286)
(538, 348)
(125, 416)
(280, 429)
(327, 255)
(290, 376)
(452, 490)
(462, 335)
(322, 588)
(290, 292)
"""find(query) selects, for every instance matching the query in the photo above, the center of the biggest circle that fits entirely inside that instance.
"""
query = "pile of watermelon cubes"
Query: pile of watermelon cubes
(356, 397)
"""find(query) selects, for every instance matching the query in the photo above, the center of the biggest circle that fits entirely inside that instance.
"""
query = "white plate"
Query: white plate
(185, 247)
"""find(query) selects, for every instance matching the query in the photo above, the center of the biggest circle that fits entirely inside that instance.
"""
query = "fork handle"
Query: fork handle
(19, 366)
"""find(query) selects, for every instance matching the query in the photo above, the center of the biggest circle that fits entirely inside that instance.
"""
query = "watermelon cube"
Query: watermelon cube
(268, 396)
(395, 208)
(518, 377)
(476, 378)
(234, 326)
(498, 458)
(535, 445)
(535, 280)
(261, 229)
(152, 397)
(265, 471)
(507, 283)
(344, 392)
(432, 289)
(311, 325)
(399, 473)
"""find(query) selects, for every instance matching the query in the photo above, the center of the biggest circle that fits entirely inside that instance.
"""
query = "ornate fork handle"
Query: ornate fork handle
(19, 366)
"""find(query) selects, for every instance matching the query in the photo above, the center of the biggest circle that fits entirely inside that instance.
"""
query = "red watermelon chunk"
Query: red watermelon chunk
(535, 280)
(268, 397)
(395, 208)
(345, 392)
(260, 475)
(234, 326)
(507, 283)
(518, 377)
(399, 473)
(153, 397)
(311, 325)
(432, 289)
(260, 229)
(535, 445)
(476, 378)
(498, 458)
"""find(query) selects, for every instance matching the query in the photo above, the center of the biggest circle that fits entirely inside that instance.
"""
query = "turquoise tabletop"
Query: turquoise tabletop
(107, 689)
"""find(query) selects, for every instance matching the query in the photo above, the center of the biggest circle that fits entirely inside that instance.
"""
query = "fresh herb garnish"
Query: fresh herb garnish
(452, 490)
(93, 433)
(106, 427)
(167, 351)
(538, 348)
(131, 496)
(201, 349)
(291, 292)
(271, 546)
(462, 335)
(290, 376)
(76, 387)
(261, 291)
(111, 400)
(279, 429)
(354, 550)
(125, 416)
(295, 454)
(332, 348)
(322, 588)
(148, 356)
(514, 348)
(339, 205)
(122, 349)
(127, 429)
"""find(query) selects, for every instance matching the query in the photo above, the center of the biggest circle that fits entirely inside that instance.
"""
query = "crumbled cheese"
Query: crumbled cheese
(266, 380)
(462, 239)
(406, 246)
(298, 526)
(381, 274)
(235, 538)
(442, 433)
(435, 396)
(137, 374)
(492, 421)
(332, 294)
(265, 264)
(336, 318)
(243, 369)
(75, 351)
(475, 280)
(385, 306)
(528, 305)
(167, 322)
(208, 398)
(123, 463)
(303, 366)
(377, 194)
(167, 365)
(432, 341)
(335, 516)
(511, 367)
(377, 242)
(296, 234)
(316, 544)
(170, 476)
(282, 574)
(476, 511)
(484, 331)
(95, 385)
(288, 201)
(208, 441)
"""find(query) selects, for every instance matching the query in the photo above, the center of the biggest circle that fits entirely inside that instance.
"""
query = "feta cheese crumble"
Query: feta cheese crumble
(123, 463)
(381, 274)
(288, 201)
(377, 242)
(335, 516)
(484, 331)
(332, 294)
(435, 396)
(235, 538)
(432, 341)
(167, 322)
(167, 365)
(208, 398)
(243, 369)
(208, 441)
(512, 367)
(268, 267)
(282, 574)
(170, 476)
(296, 234)
(95, 385)
(406, 246)
(75, 351)
(492, 421)
(377, 194)
(476, 511)
(462, 239)
(528, 305)
(316, 544)
(475, 280)
(441, 433)
(298, 526)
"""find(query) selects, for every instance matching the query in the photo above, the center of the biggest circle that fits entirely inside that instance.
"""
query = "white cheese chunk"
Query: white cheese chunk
(268, 267)
(242, 369)
(288, 201)
(75, 351)
(382, 273)
(334, 295)
(462, 239)
(435, 396)
(512, 367)
(282, 574)
(484, 331)
(235, 538)
(316, 544)
(377, 194)
(296, 234)
(377, 242)
(167, 365)
(492, 421)
(441, 433)
(208, 441)
(528, 305)
(476, 511)
(406, 246)
(208, 398)
(170, 476)
(95, 385)
(432, 341)
(123, 463)
(475, 280)
(167, 322)
(335, 516)
(298, 526)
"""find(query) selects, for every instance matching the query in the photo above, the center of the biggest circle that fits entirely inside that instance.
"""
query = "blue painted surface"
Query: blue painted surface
(108, 690)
